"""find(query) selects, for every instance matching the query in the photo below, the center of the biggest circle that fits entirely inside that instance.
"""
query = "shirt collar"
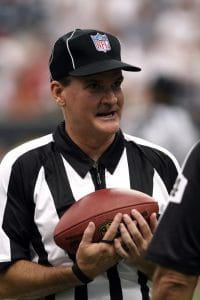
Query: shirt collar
(79, 160)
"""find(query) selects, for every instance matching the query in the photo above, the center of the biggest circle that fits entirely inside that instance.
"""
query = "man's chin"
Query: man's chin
(110, 126)
(108, 130)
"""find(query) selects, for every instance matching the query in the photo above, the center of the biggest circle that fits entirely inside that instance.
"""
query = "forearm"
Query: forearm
(172, 285)
(27, 280)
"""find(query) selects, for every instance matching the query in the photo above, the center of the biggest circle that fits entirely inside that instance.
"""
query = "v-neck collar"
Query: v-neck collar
(79, 160)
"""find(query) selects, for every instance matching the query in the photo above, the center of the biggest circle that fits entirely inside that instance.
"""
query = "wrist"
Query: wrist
(82, 277)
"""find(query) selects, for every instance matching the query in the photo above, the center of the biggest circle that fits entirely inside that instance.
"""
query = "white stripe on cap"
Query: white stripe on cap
(50, 61)
(67, 44)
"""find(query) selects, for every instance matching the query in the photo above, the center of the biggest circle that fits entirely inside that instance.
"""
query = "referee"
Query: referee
(40, 179)
(176, 244)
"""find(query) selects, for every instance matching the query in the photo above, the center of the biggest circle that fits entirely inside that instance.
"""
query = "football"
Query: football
(100, 207)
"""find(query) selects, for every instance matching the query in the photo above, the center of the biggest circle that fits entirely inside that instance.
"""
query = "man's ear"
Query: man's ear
(56, 92)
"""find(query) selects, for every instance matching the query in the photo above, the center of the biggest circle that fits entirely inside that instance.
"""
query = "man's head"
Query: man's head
(86, 77)
(86, 52)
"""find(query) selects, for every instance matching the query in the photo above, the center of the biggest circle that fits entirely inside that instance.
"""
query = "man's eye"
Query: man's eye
(94, 86)
(117, 85)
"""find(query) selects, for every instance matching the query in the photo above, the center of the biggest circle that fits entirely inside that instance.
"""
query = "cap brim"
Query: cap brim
(103, 66)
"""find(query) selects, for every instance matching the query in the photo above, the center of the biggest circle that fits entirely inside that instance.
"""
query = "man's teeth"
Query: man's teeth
(105, 114)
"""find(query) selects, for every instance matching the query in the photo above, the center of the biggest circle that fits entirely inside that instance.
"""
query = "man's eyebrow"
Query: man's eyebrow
(87, 80)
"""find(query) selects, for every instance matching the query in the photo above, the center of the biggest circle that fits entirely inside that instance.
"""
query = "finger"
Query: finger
(113, 228)
(153, 222)
(88, 233)
(133, 229)
(119, 249)
(142, 223)
(127, 239)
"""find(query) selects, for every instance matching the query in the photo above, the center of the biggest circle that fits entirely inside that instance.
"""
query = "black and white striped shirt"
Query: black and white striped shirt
(40, 179)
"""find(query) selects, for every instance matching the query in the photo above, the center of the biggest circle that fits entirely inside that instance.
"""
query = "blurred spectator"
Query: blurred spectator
(12, 58)
(163, 121)
(21, 15)
(31, 97)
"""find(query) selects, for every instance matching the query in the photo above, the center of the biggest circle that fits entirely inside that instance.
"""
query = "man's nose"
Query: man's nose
(109, 97)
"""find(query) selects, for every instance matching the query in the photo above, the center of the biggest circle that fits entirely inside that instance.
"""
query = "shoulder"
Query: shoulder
(22, 150)
(153, 151)
(162, 160)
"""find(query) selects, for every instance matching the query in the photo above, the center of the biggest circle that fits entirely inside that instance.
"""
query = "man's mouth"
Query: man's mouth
(106, 114)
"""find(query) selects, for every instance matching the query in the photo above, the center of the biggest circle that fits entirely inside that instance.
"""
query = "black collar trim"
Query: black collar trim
(79, 160)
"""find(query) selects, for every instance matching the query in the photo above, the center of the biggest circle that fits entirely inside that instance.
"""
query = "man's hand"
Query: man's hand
(136, 235)
(95, 258)
(169, 284)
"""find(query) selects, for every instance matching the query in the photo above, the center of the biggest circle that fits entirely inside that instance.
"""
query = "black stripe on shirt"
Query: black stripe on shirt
(57, 180)
(140, 170)
(141, 179)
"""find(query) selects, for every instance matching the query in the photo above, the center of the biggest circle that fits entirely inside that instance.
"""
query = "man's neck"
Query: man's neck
(95, 151)
(94, 147)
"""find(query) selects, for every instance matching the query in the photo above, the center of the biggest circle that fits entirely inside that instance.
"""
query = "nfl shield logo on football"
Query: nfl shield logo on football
(101, 42)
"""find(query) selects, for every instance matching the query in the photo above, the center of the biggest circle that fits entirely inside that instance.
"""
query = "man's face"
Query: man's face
(93, 105)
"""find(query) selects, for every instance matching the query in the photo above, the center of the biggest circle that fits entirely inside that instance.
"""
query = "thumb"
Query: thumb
(88, 233)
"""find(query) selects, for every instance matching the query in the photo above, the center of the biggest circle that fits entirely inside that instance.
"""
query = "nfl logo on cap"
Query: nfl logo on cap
(101, 42)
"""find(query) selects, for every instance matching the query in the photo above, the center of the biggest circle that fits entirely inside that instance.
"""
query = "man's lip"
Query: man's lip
(104, 114)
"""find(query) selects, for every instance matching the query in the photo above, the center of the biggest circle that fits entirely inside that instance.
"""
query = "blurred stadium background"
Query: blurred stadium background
(163, 37)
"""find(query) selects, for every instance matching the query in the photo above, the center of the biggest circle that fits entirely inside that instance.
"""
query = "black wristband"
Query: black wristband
(80, 275)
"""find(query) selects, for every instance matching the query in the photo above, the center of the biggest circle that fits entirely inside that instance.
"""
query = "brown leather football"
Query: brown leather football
(100, 207)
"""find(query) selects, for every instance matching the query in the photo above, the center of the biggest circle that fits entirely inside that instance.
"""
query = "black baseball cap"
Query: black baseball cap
(85, 52)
